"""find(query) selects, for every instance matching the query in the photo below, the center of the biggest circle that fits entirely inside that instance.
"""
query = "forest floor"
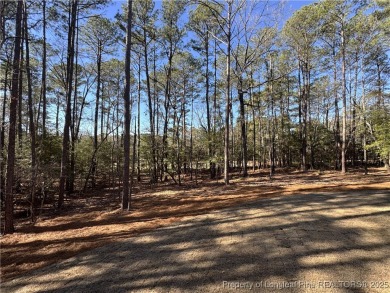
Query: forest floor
(95, 219)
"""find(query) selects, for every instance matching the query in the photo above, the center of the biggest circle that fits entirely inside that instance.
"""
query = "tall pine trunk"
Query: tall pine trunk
(126, 201)
(97, 103)
(44, 54)
(227, 111)
(2, 131)
(20, 89)
(208, 116)
(68, 112)
(75, 124)
(9, 199)
(243, 134)
(344, 97)
(151, 110)
(336, 110)
(139, 124)
(30, 115)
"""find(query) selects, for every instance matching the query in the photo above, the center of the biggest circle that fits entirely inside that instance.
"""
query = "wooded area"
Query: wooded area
(164, 91)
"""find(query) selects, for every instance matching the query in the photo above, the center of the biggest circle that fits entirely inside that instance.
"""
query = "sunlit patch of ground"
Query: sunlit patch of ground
(96, 219)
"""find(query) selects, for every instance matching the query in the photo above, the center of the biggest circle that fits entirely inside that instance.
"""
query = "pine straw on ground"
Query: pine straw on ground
(95, 219)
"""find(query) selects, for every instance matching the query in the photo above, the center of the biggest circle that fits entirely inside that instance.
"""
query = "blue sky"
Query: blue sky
(290, 6)
(116, 6)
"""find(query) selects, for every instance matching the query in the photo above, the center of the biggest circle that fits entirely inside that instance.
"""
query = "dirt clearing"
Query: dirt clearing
(95, 219)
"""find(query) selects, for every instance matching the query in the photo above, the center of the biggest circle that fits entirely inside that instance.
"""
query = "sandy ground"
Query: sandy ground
(94, 220)
(315, 242)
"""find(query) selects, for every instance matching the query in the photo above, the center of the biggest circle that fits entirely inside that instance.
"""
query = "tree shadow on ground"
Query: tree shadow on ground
(311, 242)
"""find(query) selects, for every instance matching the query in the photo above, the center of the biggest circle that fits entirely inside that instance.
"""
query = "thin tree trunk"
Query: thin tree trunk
(139, 125)
(364, 123)
(344, 96)
(354, 104)
(3, 21)
(2, 132)
(380, 99)
(337, 115)
(9, 198)
(300, 111)
(151, 110)
(312, 131)
(31, 116)
(272, 122)
(126, 200)
(166, 108)
(178, 150)
(254, 126)
(243, 134)
(57, 116)
(208, 116)
(155, 129)
(74, 126)
(102, 111)
(191, 138)
(184, 129)
(97, 103)
(304, 116)
(44, 59)
(227, 112)
(135, 139)
(213, 164)
(20, 89)
(69, 85)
